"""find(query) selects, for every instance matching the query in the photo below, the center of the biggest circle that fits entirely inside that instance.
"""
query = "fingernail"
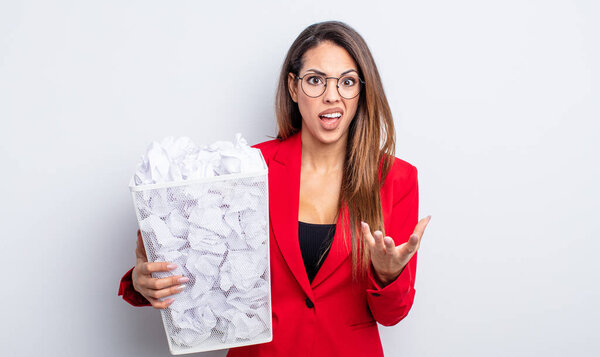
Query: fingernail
(170, 301)
(171, 266)
(181, 287)
(185, 279)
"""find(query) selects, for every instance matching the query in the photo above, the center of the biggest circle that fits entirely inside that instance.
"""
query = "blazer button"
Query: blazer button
(309, 303)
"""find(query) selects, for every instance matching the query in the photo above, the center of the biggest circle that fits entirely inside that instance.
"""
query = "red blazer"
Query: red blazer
(332, 316)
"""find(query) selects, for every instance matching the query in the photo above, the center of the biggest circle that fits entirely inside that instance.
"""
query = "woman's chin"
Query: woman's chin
(326, 137)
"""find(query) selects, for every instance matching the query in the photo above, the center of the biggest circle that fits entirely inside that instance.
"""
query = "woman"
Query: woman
(343, 209)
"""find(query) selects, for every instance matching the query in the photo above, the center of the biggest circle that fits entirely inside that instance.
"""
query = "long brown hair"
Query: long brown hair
(371, 136)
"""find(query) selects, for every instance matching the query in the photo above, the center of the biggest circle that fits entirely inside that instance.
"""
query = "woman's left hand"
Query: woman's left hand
(388, 259)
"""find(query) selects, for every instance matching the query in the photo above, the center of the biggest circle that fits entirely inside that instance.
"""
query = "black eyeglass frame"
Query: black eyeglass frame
(337, 85)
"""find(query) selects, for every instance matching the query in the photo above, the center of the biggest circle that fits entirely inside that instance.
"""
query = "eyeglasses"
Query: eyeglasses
(314, 85)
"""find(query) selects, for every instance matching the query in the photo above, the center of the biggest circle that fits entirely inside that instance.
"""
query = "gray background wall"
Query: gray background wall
(496, 103)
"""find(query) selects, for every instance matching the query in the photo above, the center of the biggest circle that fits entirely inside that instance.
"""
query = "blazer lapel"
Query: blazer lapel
(284, 198)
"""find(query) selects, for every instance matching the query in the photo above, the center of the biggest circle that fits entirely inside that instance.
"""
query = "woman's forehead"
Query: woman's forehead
(328, 59)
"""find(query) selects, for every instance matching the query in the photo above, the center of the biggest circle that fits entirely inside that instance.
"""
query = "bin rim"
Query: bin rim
(135, 188)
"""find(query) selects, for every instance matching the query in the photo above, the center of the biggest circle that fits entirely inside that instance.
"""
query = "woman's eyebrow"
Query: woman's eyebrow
(323, 74)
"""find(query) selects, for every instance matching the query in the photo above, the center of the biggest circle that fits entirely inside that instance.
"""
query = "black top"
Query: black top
(315, 240)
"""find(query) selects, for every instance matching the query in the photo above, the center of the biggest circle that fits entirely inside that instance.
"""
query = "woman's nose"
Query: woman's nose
(331, 92)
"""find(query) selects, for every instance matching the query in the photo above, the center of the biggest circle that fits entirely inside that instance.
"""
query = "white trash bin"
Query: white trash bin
(217, 232)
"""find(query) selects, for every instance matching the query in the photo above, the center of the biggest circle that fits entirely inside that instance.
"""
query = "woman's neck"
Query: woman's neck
(322, 157)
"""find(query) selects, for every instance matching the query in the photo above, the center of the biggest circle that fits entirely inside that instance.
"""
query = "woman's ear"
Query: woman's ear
(292, 87)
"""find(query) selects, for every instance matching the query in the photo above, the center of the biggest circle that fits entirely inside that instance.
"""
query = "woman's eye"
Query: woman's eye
(315, 80)
(348, 81)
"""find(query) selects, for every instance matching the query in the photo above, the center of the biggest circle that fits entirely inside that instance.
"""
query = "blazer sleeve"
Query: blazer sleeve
(129, 294)
(392, 303)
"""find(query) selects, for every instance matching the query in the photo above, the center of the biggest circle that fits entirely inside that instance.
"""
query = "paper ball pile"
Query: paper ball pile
(216, 232)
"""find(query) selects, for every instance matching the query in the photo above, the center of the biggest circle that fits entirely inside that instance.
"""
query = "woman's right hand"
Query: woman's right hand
(151, 288)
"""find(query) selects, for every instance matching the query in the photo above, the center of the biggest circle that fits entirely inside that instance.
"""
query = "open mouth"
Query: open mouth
(330, 121)
(330, 117)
